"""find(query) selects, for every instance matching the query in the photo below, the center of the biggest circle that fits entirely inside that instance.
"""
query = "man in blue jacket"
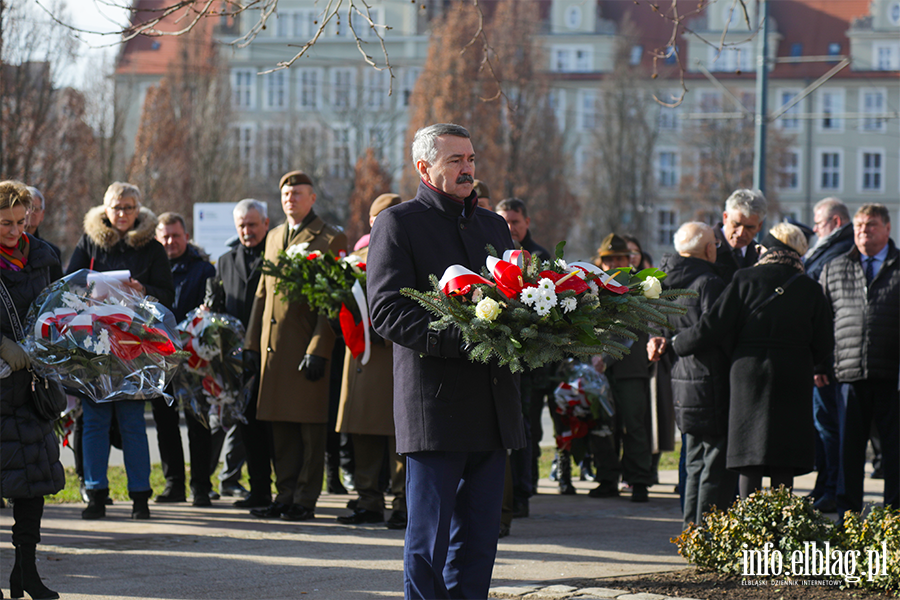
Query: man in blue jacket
(454, 418)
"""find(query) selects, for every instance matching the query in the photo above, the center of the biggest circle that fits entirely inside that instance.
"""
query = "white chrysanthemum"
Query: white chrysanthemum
(548, 296)
(297, 250)
(529, 296)
(542, 308)
(651, 287)
(595, 289)
(546, 284)
(562, 264)
(73, 301)
(102, 345)
(477, 295)
(569, 304)
(205, 352)
(488, 309)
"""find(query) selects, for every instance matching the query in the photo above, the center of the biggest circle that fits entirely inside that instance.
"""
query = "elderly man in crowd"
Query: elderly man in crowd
(293, 344)
(190, 270)
(366, 413)
(700, 381)
(454, 418)
(629, 380)
(232, 291)
(863, 287)
(33, 220)
(745, 211)
(834, 229)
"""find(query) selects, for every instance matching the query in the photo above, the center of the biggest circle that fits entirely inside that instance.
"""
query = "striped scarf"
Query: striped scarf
(15, 258)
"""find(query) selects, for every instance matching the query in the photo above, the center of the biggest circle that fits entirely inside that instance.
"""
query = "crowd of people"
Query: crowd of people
(786, 360)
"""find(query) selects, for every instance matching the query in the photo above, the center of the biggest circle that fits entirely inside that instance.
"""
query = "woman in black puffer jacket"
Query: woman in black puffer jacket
(29, 449)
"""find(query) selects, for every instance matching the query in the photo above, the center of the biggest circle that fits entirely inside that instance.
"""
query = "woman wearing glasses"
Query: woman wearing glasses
(120, 235)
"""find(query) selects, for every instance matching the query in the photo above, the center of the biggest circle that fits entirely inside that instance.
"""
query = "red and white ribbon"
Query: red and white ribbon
(602, 278)
(457, 278)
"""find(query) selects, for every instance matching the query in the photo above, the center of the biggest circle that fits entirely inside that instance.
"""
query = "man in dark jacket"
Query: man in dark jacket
(835, 232)
(863, 287)
(454, 418)
(700, 381)
(190, 270)
(745, 211)
(33, 221)
(232, 291)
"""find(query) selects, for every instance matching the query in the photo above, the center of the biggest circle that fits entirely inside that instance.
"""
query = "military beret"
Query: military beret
(382, 202)
(613, 245)
(294, 178)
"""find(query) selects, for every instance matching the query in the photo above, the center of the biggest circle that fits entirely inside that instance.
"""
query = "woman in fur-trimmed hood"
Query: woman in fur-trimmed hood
(775, 340)
(120, 235)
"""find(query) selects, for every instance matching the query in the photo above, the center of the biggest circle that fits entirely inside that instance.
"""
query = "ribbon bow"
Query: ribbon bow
(602, 278)
(507, 275)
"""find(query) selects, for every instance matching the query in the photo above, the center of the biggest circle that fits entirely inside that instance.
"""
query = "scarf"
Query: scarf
(15, 258)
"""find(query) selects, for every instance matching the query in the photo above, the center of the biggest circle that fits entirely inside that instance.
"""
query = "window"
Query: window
(376, 88)
(829, 170)
(668, 117)
(671, 55)
(587, 109)
(245, 141)
(343, 92)
(571, 59)
(340, 151)
(667, 225)
(305, 25)
(831, 102)
(557, 100)
(894, 13)
(309, 88)
(360, 24)
(871, 170)
(378, 138)
(410, 76)
(276, 96)
(573, 17)
(731, 58)
(834, 49)
(886, 56)
(274, 140)
(710, 102)
(667, 169)
(636, 53)
(789, 177)
(788, 120)
(797, 49)
(242, 88)
(282, 24)
(872, 103)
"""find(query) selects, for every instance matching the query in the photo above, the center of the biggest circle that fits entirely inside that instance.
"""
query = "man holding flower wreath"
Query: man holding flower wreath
(454, 418)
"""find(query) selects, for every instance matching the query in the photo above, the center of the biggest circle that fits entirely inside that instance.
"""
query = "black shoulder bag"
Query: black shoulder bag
(778, 292)
(48, 394)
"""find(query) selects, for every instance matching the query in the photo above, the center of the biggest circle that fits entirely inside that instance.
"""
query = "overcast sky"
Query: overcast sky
(93, 16)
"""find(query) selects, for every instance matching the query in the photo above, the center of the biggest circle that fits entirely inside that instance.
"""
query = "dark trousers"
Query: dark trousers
(299, 462)
(868, 401)
(257, 438)
(632, 398)
(827, 412)
(520, 465)
(370, 452)
(171, 453)
(709, 483)
(26, 528)
(453, 499)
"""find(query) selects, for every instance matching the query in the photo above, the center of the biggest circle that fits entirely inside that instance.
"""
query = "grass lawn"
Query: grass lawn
(667, 462)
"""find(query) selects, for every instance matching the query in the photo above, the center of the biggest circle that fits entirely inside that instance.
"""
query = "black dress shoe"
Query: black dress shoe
(361, 516)
(252, 501)
(504, 531)
(171, 494)
(397, 520)
(234, 489)
(272, 511)
(351, 504)
(214, 495)
(606, 489)
(201, 500)
(298, 512)
(639, 493)
(520, 510)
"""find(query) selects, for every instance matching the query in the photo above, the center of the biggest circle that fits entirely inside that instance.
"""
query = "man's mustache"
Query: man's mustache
(465, 178)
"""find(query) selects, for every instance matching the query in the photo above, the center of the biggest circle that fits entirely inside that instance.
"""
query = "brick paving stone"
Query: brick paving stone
(554, 591)
(513, 590)
(596, 592)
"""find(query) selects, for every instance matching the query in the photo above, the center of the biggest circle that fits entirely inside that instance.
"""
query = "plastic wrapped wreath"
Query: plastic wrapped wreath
(103, 339)
(209, 382)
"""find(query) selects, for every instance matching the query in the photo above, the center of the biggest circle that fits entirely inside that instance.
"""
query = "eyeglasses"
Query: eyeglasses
(125, 210)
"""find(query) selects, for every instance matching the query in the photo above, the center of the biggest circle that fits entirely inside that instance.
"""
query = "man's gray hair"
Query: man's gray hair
(833, 206)
(241, 208)
(748, 203)
(423, 143)
(688, 237)
(36, 193)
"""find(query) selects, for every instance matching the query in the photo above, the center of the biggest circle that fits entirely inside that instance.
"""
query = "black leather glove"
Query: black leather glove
(314, 366)
(251, 362)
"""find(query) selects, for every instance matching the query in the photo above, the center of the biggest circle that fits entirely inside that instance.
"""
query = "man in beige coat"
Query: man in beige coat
(294, 344)
(367, 413)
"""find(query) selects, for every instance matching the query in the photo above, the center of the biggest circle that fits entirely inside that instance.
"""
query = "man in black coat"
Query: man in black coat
(835, 232)
(454, 418)
(33, 221)
(863, 287)
(190, 270)
(745, 211)
(700, 381)
(232, 291)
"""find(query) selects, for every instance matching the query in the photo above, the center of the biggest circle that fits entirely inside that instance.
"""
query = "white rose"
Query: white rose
(651, 287)
(487, 309)
(297, 250)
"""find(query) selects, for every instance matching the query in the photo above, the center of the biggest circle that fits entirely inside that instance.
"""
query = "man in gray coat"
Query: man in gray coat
(863, 287)
(454, 418)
